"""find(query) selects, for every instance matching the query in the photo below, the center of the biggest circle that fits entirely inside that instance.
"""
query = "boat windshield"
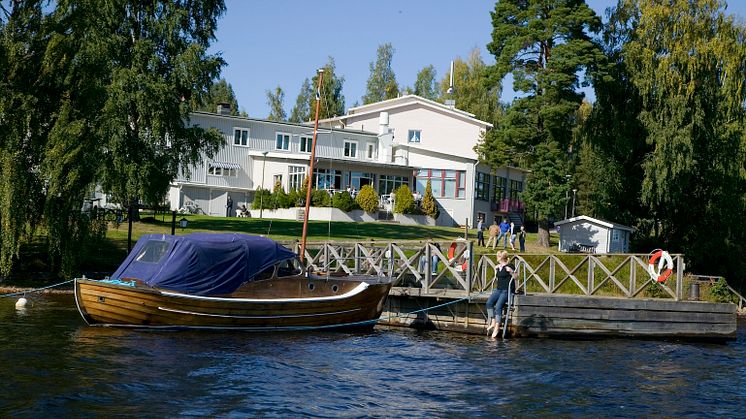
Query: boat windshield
(153, 251)
(289, 267)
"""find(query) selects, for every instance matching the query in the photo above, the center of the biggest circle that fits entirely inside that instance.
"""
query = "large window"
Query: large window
(327, 179)
(350, 149)
(499, 193)
(482, 186)
(387, 184)
(296, 177)
(360, 179)
(240, 136)
(516, 187)
(305, 144)
(414, 136)
(283, 141)
(444, 183)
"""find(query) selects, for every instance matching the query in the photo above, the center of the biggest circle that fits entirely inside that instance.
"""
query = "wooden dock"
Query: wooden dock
(566, 316)
(445, 287)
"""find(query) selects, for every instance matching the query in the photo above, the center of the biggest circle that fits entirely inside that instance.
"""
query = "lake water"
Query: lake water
(52, 365)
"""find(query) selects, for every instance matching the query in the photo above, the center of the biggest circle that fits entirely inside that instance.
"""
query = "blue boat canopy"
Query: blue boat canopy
(200, 263)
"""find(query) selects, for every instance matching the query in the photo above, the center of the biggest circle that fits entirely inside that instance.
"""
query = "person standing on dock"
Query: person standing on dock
(504, 272)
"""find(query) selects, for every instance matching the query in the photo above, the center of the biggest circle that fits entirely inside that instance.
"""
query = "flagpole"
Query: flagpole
(302, 254)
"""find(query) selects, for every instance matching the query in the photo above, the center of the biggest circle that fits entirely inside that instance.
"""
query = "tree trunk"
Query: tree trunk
(543, 233)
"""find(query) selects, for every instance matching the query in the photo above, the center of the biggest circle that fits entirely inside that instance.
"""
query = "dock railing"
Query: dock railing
(437, 266)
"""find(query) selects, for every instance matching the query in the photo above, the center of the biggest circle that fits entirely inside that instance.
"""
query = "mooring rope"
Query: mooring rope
(13, 294)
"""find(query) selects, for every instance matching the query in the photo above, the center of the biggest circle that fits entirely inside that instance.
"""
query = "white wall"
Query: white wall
(585, 233)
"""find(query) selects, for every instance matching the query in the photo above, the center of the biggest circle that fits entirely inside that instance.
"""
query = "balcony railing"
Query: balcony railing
(508, 205)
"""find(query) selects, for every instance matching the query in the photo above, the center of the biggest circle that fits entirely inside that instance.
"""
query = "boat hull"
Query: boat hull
(290, 304)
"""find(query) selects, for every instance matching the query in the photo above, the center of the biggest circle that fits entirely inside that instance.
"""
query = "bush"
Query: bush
(343, 201)
(367, 199)
(294, 198)
(429, 207)
(404, 201)
(279, 198)
(320, 198)
(720, 292)
(262, 197)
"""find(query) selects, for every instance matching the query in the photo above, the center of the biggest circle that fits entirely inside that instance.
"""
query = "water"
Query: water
(52, 365)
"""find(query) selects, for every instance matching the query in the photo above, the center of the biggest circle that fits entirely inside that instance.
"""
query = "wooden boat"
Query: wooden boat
(229, 281)
(188, 282)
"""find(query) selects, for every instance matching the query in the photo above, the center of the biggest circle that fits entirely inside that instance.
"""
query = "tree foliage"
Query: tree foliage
(381, 83)
(97, 91)
(301, 112)
(332, 100)
(343, 200)
(543, 44)
(686, 61)
(472, 90)
(275, 100)
(426, 84)
(220, 92)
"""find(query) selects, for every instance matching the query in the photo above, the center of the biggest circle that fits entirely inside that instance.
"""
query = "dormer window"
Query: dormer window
(414, 136)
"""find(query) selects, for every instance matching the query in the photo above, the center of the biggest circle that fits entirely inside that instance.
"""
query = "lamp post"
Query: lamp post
(261, 196)
(567, 194)
(573, 201)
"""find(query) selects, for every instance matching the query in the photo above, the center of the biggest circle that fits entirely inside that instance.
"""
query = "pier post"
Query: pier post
(428, 267)
(469, 260)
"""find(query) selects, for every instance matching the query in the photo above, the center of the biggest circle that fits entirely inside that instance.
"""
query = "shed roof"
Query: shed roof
(607, 224)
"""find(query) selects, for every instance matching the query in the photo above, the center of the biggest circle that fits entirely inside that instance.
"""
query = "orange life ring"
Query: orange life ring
(655, 269)
(452, 253)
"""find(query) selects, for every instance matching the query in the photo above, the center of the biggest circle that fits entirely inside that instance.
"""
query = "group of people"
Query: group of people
(505, 231)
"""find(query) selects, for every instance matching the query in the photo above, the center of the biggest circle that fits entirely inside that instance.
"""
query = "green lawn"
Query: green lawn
(102, 258)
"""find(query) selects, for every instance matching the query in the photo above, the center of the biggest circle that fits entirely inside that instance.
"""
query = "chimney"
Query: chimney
(383, 123)
(224, 109)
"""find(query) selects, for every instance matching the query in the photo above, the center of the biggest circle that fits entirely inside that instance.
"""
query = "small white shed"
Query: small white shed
(589, 235)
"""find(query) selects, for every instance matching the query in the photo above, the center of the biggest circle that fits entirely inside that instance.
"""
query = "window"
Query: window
(306, 143)
(387, 184)
(223, 169)
(327, 179)
(276, 179)
(482, 186)
(499, 193)
(360, 179)
(283, 141)
(296, 177)
(289, 267)
(414, 136)
(240, 136)
(153, 251)
(371, 151)
(350, 149)
(444, 183)
(516, 187)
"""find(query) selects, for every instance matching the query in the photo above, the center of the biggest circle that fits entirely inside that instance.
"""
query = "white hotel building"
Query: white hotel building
(406, 140)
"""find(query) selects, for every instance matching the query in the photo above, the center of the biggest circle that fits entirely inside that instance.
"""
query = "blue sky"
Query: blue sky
(281, 42)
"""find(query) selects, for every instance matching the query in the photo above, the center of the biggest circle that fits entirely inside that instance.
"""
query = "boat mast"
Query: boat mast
(309, 178)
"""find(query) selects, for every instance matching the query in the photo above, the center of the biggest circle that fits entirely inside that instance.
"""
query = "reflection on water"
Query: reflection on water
(54, 365)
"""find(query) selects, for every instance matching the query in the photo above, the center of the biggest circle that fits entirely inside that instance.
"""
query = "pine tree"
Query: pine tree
(543, 44)
(220, 92)
(332, 100)
(471, 91)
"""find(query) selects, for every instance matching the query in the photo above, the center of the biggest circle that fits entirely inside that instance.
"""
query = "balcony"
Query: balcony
(507, 205)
